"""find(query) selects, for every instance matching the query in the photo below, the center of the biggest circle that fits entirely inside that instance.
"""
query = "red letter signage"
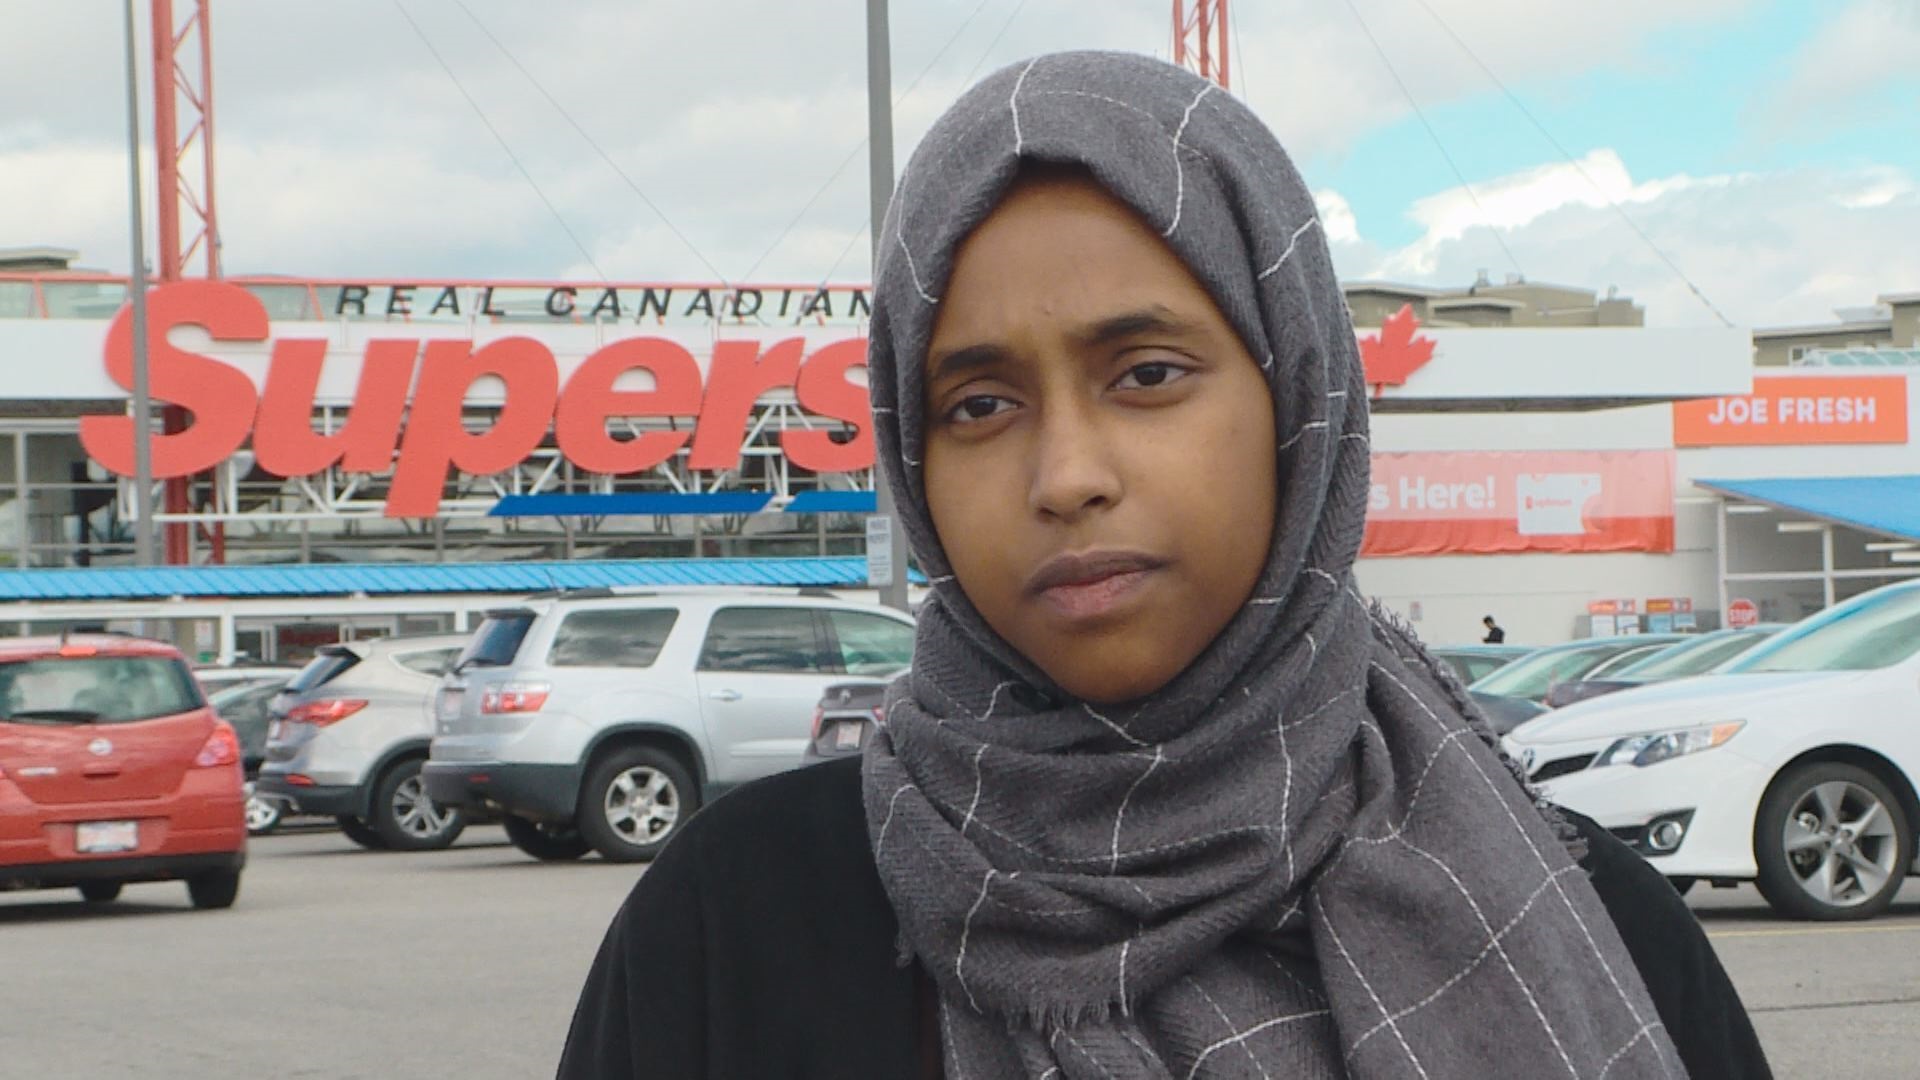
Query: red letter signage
(219, 397)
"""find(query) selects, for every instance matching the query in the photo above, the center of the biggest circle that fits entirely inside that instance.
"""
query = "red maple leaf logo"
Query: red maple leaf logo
(1394, 353)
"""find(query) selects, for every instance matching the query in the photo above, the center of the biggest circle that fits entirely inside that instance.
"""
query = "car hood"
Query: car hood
(1704, 699)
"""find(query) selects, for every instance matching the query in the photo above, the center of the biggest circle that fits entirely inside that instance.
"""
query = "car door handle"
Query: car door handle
(725, 695)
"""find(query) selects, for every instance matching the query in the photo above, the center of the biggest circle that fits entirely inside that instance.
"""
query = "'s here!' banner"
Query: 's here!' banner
(1507, 502)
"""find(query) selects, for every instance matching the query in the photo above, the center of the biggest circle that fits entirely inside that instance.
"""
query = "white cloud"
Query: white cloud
(344, 149)
(1870, 43)
(1768, 249)
(1337, 222)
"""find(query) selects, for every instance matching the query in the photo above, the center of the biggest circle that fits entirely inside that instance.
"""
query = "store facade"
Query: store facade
(1529, 473)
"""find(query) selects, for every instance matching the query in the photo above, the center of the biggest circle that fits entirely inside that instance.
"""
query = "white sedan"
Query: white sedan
(1793, 768)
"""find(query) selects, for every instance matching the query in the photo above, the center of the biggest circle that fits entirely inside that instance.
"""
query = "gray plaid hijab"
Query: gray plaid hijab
(1302, 857)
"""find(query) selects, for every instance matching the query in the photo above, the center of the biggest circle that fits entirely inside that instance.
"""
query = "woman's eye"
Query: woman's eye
(1146, 376)
(978, 407)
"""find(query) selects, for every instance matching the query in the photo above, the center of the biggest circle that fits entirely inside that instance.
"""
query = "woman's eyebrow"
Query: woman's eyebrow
(968, 358)
(1156, 319)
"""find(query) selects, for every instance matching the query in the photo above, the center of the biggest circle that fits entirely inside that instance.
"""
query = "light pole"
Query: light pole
(889, 562)
(137, 295)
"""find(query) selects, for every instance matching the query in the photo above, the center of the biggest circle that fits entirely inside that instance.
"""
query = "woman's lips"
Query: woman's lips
(1093, 599)
(1088, 585)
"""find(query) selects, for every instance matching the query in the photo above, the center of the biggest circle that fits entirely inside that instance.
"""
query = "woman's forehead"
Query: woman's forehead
(1059, 251)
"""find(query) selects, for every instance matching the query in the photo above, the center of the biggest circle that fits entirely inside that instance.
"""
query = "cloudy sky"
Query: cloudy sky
(1770, 149)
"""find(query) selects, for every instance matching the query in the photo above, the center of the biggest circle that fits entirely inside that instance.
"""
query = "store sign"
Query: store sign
(1799, 410)
(1500, 502)
(1743, 613)
(1390, 357)
(428, 388)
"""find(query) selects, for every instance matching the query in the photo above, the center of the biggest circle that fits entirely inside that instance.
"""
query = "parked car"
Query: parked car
(845, 719)
(1794, 768)
(246, 706)
(601, 719)
(1683, 659)
(350, 733)
(1475, 662)
(1532, 677)
(1505, 713)
(214, 678)
(113, 770)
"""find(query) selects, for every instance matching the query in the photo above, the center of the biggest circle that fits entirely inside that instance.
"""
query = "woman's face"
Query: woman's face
(1100, 446)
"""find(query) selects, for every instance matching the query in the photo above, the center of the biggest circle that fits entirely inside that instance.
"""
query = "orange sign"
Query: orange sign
(1440, 503)
(1799, 410)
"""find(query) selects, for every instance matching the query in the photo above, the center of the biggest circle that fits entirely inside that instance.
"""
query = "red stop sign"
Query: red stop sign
(1742, 613)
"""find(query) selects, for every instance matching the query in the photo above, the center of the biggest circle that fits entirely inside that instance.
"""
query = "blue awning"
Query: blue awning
(200, 582)
(1888, 505)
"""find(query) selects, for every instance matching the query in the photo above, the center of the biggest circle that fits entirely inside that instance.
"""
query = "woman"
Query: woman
(1163, 795)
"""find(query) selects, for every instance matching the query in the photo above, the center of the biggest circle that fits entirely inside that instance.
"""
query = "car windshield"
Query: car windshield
(1695, 657)
(96, 689)
(228, 695)
(1532, 676)
(1873, 631)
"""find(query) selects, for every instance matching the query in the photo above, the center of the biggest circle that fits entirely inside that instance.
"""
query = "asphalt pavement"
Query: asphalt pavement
(466, 963)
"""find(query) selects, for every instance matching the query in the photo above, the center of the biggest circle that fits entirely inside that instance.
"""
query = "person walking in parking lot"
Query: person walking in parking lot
(1162, 794)
(1495, 635)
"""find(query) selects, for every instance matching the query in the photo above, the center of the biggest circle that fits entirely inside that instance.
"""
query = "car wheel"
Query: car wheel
(545, 841)
(403, 816)
(214, 889)
(263, 814)
(100, 892)
(360, 833)
(1832, 842)
(634, 800)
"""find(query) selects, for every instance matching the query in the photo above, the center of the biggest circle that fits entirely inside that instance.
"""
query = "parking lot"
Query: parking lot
(342, 963)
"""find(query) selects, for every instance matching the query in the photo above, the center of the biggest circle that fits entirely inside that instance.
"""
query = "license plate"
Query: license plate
(846, 736)
(100, 837)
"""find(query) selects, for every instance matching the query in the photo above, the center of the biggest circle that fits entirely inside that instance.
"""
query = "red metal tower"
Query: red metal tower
(1200, 38)
(183, 90)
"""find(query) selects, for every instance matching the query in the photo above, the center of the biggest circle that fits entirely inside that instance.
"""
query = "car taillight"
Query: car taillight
(515, 697)
(328, 711)
(221, 748)
(879, 714)
(819, 714)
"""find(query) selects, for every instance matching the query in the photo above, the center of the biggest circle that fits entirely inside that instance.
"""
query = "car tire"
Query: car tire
(214, 889)
(544, 841)
(1832, 842)
(100, 892)
(634, 799)
(405, 819)
(263, 814)
(360, 833)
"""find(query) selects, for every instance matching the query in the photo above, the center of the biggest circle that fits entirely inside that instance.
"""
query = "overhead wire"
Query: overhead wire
(501, 139)
(1571, 160)
(866, 226)
(1435, 135)
(862, 144)
(604, 156)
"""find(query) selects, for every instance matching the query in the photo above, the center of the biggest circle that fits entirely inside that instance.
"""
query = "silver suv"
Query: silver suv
(349, 734)
(600, 719)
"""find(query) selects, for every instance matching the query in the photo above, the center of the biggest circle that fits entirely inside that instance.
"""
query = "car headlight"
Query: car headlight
(1651, 749)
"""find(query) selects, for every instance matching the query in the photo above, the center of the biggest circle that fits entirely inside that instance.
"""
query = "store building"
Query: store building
(1530, 460)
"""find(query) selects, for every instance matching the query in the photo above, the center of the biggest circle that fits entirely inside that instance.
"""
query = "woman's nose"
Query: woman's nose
(1074, 468)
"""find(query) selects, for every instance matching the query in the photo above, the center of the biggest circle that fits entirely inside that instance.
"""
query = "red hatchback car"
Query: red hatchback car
(114, 770)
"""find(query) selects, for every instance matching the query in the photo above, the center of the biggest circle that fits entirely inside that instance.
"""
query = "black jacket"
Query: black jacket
(761, 945)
